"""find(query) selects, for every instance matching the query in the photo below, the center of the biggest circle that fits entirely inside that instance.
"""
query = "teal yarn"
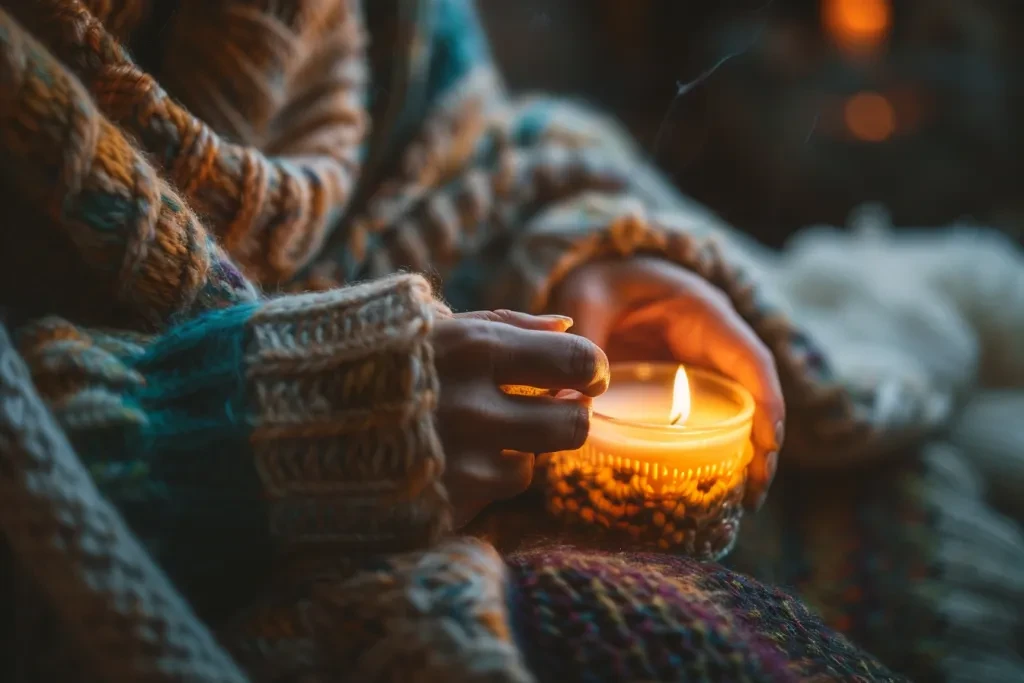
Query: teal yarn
(458, 46)
(172, 451)
(194, 383)
(196, 442)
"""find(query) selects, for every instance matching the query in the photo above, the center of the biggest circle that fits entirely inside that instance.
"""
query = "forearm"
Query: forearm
(269, 190)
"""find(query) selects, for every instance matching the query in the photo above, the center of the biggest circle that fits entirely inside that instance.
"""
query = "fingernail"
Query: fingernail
(780, 433)
(565, 320)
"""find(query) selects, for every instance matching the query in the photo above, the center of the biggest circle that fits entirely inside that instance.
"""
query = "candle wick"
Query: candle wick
(678, 417)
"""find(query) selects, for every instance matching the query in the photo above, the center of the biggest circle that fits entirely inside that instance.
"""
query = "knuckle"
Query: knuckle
(503, 315)
(479, 339)
(471, 416)
(479, 413)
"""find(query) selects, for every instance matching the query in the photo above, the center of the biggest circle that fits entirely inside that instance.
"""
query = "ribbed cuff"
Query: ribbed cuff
(342, 389)
(305, 419)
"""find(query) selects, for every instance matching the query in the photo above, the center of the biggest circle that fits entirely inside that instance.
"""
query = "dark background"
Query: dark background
(828, 103)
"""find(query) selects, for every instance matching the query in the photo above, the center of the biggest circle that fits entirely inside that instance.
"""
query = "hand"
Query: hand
(645, 308)
(476, 353)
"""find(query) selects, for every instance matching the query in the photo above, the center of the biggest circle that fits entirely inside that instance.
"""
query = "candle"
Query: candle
(665, 461)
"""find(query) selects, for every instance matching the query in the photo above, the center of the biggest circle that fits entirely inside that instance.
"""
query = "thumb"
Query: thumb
(541, 323)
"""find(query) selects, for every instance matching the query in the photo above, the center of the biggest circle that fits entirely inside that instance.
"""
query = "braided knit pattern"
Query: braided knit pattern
(127, 224)
(270, 213)
(120, 17)
(642, 617)
(127, 621)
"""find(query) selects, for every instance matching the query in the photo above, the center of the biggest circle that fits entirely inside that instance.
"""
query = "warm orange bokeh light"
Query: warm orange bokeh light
(870, 117)
(857, 24)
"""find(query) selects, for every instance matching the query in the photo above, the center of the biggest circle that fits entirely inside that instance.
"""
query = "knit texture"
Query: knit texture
(298, 428)
(305, 65)
(127, 621)
(525, 191)
(457, 613)
(908, 561)
(296, 421)
(646, 617)
(127, 224)
(437, 616)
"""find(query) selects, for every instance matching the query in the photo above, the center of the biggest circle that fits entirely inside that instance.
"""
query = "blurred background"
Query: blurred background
(823, 106)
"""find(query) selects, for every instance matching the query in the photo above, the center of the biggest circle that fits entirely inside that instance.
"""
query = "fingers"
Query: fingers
(730, 346)
(754, 367)
(547, 323)
(706, 330)
(475, 346)
(550, 361)
(584, 295)
(544, 424)
(733, 349)
(488, 419)
(486, 476)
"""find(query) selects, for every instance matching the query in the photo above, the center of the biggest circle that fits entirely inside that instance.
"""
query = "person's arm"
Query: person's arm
(595, 220)
(265, 426)
(505, 200)
(269, 157)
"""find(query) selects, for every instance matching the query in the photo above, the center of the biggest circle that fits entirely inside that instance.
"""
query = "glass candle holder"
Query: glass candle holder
(672, 486)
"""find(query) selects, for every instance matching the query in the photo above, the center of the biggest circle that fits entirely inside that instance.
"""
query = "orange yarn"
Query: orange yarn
(270, 213)
(59, 153)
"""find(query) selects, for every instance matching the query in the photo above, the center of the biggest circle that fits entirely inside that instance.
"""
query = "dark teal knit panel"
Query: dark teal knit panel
(181, 471)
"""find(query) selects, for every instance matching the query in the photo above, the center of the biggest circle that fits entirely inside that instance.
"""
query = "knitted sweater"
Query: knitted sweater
(301, 420)
(275, 449)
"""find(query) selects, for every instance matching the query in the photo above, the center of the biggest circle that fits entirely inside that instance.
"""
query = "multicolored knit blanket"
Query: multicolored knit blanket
(205, 427)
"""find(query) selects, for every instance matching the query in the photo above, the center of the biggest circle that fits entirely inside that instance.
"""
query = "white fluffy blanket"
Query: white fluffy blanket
(935, 318)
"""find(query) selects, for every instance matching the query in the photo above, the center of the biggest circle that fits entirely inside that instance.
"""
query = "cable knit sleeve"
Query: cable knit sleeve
(270, 156)
(268, 426)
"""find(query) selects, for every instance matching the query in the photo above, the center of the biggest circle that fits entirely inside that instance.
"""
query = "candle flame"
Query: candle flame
(680, 398)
